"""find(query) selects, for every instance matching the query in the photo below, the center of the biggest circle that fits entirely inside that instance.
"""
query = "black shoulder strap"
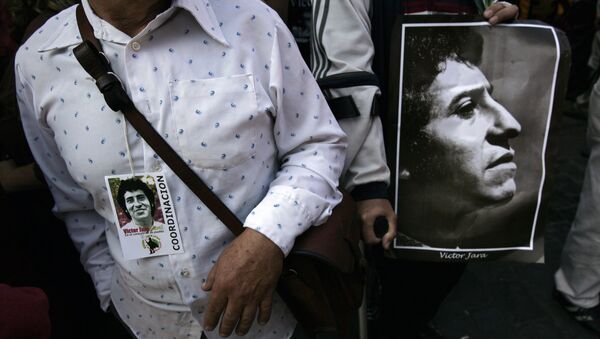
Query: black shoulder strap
(95, 63)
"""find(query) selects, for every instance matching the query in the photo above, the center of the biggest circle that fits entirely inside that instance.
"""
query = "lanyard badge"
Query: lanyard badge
(144, 215)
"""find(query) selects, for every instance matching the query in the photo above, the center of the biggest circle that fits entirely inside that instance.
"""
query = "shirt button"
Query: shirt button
(136, 46)
(157, 168)
(185, 273)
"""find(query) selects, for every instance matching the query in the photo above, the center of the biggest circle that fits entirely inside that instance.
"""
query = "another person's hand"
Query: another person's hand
(368, 211)
(500, 12)
(15, 178)
(242, 283)
(6, 167)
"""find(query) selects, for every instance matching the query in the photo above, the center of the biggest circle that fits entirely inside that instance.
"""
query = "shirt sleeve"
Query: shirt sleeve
(311, 148)
(342, 44)
(73, 204)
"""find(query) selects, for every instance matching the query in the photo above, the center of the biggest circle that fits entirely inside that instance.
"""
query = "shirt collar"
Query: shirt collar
(205, 16)
(68, 33)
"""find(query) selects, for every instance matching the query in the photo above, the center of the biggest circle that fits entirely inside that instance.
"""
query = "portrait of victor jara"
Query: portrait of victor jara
(458, 168)
(138, 202)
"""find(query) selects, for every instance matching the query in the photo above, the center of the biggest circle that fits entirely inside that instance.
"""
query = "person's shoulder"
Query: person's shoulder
(58, 31)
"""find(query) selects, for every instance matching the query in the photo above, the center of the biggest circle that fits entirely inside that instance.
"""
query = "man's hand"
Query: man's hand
(368, 211)
(242, 281)
(500, 12)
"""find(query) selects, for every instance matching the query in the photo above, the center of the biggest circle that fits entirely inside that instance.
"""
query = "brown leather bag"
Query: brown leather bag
(323, 278)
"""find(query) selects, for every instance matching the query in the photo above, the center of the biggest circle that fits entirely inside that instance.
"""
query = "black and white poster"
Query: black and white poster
(474, 113)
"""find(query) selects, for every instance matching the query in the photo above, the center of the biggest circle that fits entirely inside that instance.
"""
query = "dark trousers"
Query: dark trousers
(299, 333)
(409, 294)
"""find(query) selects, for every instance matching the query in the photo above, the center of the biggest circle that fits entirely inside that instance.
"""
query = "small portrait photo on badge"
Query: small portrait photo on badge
(144, 215)
(137, 206)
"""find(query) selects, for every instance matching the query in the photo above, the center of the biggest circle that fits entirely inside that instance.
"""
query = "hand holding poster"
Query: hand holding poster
(474, 116)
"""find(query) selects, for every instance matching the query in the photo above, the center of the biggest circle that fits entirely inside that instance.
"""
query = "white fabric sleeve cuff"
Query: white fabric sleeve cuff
(281, 218)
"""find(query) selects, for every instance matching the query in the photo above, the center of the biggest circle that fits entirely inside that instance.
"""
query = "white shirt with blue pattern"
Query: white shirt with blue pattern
(224, 84)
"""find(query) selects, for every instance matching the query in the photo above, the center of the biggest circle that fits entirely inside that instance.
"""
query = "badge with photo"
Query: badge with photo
(474, 113)
(144, 215)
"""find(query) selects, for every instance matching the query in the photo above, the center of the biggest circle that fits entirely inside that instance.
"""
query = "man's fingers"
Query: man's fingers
(369, 237)
(246, 321)
(369, 210)
(368, 233)
(501, 16)
(491, 10)
(247, 270)
(215, 307)
(391, 232)
(500, 12)
(207, 285)
(507, 13)
(264, 310)
(230, 318)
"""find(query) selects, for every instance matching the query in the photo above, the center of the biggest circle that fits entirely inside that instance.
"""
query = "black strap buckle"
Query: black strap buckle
(96, 65)
(114, 93)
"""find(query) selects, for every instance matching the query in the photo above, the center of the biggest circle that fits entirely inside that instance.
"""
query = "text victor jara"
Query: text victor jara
(462, 256)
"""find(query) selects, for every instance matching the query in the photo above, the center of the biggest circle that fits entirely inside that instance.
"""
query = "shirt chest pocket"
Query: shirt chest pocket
(216, 120)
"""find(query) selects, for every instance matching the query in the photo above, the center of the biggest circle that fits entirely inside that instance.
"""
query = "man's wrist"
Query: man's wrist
(265, 242)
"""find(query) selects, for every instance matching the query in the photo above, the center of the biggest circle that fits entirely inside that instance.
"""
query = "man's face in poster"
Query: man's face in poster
(138, 206)
(469, 132)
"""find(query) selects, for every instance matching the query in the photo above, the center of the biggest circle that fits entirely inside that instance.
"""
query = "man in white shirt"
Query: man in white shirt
(224, 84)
